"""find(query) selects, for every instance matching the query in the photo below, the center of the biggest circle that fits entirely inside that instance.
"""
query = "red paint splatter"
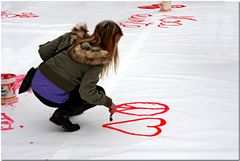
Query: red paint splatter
(21, 126)
(138, 122)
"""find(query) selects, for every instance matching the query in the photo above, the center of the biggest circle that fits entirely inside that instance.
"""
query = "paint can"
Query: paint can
(166, 6)
(8, 89)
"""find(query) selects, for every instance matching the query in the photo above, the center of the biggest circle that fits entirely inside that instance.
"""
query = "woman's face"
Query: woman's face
(117, 38)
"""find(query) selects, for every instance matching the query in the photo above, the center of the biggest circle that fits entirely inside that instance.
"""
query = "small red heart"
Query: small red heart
(151, 106)
(128, 131)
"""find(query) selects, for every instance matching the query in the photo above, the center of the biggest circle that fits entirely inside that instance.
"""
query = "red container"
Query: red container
(8, 89)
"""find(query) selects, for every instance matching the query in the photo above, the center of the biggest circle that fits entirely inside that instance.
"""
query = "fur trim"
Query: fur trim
(79, 31)
(84, 52)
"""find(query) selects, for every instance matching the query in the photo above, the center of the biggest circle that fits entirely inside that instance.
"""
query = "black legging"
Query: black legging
(73, 106)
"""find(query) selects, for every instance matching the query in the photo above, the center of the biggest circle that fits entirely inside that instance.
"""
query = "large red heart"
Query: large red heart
(149, 107)
(135, 122)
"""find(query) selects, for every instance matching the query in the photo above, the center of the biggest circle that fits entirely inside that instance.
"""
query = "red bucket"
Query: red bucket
(8, 89)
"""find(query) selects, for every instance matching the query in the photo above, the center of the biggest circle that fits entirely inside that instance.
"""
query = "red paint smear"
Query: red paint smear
(6, 14)
(178, 6)
(157, 126)
(6, 122)
(131, 106)
(152, 6)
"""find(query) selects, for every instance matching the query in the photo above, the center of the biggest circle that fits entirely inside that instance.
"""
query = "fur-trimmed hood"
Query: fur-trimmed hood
(84, 52)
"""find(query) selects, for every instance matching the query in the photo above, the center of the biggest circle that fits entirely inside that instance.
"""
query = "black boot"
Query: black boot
(62, 119)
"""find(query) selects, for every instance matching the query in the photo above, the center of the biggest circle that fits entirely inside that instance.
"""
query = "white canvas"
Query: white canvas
(186, 59)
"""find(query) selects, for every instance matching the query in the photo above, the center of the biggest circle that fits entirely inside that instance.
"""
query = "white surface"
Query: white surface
(193, 68)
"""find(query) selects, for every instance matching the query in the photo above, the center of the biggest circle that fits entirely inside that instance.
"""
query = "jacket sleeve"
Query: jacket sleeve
(50, 48)
(88, 89)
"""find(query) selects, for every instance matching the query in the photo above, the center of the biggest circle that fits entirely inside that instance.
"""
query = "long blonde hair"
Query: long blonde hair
(104, 36)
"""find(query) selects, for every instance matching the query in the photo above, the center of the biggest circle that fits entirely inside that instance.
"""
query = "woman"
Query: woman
(68, 80)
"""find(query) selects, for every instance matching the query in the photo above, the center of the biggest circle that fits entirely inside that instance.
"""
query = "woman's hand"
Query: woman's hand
(112, 110)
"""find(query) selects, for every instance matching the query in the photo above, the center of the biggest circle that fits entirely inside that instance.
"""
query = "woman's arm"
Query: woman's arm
(50, 48)
(88, 89)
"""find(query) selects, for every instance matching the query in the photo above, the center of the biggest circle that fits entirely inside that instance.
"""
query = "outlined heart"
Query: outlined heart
(162, 122)
(126, 108)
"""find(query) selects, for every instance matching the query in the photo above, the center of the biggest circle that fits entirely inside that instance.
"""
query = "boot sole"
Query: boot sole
(62, 125)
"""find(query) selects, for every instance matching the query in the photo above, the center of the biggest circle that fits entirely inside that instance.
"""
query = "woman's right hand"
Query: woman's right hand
(112, 110)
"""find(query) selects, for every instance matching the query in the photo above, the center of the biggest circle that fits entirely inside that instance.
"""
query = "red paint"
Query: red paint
(179, 17)
(6, 14)
(140, 20)
(136, 21)
(154, 107)
(6, 122)
(19, 79)
(158, 6)
(164, 24)
(147, 109)
(178, 6)
(151, 6)
(174, 20)
(139, 121)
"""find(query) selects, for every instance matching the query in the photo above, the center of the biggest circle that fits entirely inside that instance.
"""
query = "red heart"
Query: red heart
(129, 106)
(158, 130)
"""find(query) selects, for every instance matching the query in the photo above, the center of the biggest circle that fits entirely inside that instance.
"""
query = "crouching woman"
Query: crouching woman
(68, 80)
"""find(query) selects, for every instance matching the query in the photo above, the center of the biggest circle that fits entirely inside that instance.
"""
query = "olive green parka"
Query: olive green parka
(80, 66)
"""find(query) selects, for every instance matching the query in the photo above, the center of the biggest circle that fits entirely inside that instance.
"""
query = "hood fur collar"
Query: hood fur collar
(84, 52)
